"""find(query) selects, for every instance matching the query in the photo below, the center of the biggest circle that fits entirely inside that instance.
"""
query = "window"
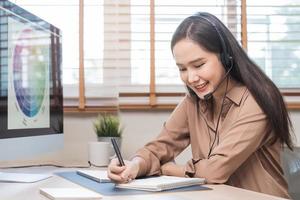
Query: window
(127, 61)
(274, 39)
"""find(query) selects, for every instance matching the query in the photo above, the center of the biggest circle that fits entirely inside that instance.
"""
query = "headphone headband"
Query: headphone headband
(225, 57)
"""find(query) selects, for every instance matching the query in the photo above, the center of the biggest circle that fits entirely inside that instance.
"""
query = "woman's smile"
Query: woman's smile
(201, 88)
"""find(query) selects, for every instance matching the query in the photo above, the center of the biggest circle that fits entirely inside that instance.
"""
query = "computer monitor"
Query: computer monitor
(31, 101)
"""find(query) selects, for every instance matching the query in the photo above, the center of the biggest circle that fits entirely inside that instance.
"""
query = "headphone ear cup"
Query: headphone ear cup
(226, 60)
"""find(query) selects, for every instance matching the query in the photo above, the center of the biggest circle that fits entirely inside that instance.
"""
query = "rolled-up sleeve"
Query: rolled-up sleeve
(237, 143)
(172, 140)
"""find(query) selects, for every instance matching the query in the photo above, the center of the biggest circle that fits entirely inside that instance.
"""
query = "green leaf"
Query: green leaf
(107, 125)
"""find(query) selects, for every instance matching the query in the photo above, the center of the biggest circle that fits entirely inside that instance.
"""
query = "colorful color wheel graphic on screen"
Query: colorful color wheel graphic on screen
(29, 73)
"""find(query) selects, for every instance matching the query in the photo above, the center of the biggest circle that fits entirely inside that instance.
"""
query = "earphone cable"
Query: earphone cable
(219, 117)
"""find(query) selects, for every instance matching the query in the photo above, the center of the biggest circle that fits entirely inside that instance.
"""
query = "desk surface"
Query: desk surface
(30, 191)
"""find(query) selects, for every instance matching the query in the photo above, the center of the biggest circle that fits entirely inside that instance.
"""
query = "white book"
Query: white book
(160, 183)
(96, 175)
(69, 194)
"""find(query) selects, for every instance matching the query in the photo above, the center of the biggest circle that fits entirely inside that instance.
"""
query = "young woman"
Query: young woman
(233, 116)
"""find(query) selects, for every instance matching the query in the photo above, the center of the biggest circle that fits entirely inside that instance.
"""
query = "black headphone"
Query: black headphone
(225, 57)
(227, 62)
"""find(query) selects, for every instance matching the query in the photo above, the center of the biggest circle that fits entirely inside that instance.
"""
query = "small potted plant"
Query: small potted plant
(106, 126)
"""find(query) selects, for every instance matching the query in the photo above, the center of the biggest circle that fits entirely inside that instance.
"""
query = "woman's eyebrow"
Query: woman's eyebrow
(191, 62)
(196, 60)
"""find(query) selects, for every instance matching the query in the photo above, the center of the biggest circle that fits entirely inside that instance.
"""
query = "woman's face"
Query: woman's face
(201, 70)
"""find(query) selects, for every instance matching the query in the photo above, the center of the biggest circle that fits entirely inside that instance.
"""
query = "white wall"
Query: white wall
(140, 127)
(295, 117)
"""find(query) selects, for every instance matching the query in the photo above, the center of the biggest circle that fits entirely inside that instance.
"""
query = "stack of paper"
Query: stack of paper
(69, 194)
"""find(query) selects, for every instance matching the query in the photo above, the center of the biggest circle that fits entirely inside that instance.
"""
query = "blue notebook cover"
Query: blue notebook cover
(109, 189)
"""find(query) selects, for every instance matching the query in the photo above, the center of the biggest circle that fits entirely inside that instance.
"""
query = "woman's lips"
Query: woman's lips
(201, 88)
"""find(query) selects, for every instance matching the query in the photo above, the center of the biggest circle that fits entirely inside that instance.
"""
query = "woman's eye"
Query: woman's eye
(182, 69)
(197, 66)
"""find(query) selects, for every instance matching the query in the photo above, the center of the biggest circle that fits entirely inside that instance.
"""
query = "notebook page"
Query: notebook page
(161, 183)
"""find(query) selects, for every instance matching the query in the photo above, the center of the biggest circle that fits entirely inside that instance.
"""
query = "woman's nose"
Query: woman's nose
(192, 76)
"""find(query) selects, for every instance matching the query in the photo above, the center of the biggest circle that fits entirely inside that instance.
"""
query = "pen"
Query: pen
(117, 150)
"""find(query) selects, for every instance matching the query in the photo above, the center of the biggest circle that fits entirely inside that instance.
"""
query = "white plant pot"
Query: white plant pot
(108, 139)
(100, 153)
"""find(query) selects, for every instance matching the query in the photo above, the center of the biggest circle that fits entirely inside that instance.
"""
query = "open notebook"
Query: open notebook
(96, 175)
(160, 183)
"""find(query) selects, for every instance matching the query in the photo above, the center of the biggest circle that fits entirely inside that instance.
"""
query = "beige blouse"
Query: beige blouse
(242, 155)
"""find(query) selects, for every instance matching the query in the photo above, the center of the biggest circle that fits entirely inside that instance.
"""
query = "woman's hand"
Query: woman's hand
(122, 174)
(171, 169)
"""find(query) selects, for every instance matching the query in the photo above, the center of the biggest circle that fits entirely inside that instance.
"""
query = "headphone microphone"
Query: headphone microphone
(209, 95)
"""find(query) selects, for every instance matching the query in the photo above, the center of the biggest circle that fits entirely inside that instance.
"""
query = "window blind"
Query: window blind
(101, 52)
(168, 14)
(100, 47)
(274, 39)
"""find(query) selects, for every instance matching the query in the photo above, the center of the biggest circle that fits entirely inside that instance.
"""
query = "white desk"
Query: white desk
(30, 191)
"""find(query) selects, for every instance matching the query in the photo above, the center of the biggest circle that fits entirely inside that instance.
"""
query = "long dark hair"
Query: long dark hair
(207, 30)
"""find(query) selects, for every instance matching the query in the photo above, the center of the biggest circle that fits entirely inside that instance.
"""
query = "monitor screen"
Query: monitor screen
(31, 101)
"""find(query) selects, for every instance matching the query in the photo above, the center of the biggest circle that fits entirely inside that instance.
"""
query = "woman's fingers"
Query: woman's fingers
(116, 178)
(117, 169)
(114, 173)
(131, 170)
(121, 174)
